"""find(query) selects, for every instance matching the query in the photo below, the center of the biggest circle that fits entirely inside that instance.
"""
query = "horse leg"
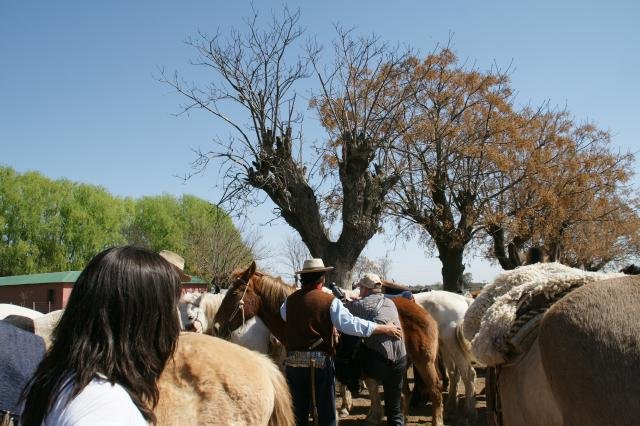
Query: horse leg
(375, 411)
(466, 370)
(406, 393)
(417, 396)
(433, 387)
(451, 405)
(347, 400)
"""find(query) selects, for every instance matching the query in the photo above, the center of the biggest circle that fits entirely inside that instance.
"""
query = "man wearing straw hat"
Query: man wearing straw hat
(312, 316)
(177, 262)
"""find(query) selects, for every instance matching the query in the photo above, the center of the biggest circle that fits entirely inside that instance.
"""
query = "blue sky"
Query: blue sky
(78, 98)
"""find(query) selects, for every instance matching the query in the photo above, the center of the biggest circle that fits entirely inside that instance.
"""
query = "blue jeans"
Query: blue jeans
(391, 374)
(299, 379)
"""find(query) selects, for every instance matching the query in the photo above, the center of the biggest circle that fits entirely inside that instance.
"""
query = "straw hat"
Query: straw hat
(314, 265)
(178, 261)
(370, 281)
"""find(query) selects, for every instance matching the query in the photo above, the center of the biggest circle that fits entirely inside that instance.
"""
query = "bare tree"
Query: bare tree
(295, 252)
(364, 265)
(216, 251)
(255, 93)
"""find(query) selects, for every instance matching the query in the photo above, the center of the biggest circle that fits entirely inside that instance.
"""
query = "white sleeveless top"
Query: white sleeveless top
(98, 404)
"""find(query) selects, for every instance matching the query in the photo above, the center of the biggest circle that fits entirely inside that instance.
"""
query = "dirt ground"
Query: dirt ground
(417, 415)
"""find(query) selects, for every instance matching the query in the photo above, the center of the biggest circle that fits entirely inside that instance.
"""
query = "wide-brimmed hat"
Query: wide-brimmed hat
(314, 265)
(178, 261)
(394, 286)
(370, 281)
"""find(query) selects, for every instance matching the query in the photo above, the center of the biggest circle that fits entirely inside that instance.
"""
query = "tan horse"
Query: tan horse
(203, 385)
(584, 365)
(211, 381)
(256, 294)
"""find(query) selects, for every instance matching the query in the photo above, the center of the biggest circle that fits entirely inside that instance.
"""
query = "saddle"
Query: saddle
(530, 310)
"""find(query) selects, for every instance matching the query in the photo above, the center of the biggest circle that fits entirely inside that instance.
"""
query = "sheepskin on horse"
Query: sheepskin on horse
(448, 309)
(210, 381)
(564, 345)
(254, 293)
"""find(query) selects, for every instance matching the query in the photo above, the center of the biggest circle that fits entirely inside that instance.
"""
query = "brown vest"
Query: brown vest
(308, 319)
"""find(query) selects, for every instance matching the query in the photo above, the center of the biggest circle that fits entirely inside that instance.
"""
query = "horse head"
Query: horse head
(192, 316)
(239, 304)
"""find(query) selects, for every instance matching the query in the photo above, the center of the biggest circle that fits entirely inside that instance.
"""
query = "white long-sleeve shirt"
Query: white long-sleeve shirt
(342, 319)
(99, 404)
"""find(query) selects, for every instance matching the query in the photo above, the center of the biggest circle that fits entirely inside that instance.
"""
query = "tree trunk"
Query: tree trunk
(452, 267)
(340, 275)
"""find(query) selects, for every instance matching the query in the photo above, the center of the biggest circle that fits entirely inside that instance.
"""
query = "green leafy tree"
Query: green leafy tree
(56, 225)
(200, 231)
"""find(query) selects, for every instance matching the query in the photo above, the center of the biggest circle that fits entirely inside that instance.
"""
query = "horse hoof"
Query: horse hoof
(344, 412)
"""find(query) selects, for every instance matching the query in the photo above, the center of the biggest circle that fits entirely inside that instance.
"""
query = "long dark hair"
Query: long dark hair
(121, 322)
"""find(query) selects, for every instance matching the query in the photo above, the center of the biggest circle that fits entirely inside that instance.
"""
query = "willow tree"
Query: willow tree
(576, 205)
(459, 145)
(255, 88)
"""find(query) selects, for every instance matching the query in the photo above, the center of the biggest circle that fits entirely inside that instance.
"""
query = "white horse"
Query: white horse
(7, 309)
(254, 334)
(196, 309)
(448, 309)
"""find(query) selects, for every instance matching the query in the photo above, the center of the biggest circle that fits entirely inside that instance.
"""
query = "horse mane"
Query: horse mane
(209, 303)
(273, 291)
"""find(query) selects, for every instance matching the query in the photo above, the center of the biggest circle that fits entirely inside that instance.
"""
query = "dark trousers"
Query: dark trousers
(391, 374)
(299, 379)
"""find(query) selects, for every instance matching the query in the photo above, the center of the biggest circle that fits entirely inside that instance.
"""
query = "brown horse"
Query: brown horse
(256, 294)
(582, 368)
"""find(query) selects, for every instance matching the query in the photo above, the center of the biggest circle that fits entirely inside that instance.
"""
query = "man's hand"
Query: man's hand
(390, 330)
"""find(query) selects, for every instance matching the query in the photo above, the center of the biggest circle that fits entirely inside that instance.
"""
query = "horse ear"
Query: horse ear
(246, 275)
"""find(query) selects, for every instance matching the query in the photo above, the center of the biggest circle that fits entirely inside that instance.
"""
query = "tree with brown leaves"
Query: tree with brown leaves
(461, 142)
(575, 203)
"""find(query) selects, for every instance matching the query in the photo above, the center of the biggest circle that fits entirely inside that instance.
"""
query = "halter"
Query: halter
(197, 318)
(240, 305)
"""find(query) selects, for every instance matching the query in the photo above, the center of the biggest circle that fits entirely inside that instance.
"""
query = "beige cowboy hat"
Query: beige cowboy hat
(177, 261)
(314, 265)
(370, 281)
(394, 286)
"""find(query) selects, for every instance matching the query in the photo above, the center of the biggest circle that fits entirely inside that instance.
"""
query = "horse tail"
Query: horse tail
(282, 413)
(463, 343)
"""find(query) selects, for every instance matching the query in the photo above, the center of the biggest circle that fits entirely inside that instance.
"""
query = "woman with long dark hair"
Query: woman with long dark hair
(118, 330)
